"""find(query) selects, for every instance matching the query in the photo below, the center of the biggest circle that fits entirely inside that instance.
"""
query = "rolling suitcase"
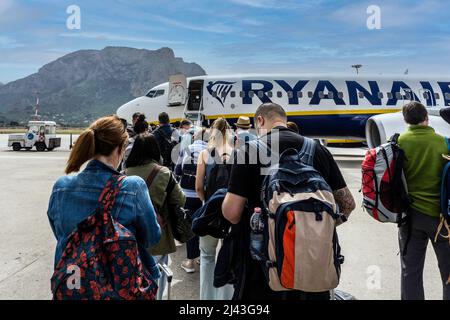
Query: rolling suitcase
(341, 295)
(164, 268)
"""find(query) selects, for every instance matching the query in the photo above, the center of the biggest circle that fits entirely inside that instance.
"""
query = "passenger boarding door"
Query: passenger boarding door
(194, 106)
(177, 90)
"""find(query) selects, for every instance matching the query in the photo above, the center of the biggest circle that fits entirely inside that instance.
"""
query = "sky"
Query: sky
(235, 36)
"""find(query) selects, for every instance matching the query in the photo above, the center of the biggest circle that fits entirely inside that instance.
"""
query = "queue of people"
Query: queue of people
(156, 168)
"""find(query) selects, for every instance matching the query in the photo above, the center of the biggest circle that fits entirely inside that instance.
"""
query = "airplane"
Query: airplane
(323, 106)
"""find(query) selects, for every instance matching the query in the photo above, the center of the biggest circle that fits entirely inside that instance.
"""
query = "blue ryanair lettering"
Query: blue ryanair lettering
(260, 89)
(397, 86)
(295, 90)
(372, 96)
(445, 87)
(430, 98)
(247, 86)
(323, 85)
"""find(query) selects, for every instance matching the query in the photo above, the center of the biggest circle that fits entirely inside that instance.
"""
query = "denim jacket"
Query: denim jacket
(74, 198)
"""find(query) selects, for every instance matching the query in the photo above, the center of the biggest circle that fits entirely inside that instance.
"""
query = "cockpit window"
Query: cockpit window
(155, 93)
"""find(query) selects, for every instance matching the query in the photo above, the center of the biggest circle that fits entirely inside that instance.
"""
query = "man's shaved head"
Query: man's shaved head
(271, 112)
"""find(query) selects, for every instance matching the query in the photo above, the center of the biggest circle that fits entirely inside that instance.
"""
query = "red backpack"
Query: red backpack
(106, 256)
(385, 193)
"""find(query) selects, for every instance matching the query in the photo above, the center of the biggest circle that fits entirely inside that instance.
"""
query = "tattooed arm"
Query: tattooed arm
(345, 201)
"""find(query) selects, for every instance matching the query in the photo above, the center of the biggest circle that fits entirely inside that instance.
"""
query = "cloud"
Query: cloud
(276, 4)
(252, 22)
(212, 28)
(9, 43)
(256, 3)
(116, 37)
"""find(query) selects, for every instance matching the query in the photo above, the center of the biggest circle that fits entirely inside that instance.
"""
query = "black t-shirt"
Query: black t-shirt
(246, 181)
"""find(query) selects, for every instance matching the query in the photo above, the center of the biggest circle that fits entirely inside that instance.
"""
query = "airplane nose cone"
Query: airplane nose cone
(121, 112)
(126, 111)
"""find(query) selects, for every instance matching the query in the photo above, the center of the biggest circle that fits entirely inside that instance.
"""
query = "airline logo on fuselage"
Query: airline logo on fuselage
(220, 90)
(326, 90)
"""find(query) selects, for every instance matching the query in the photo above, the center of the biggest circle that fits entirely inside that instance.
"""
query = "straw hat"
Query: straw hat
(243, 123)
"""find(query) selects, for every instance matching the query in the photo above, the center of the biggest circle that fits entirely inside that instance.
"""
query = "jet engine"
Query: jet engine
(381, 127)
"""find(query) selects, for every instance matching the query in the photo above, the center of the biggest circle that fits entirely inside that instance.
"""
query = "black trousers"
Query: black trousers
(423, 229)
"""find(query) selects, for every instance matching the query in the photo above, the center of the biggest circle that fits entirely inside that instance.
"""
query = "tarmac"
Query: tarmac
(371, 269)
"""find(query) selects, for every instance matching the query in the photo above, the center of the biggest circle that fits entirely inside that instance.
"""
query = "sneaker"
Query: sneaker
(188, 266)
(197, 260)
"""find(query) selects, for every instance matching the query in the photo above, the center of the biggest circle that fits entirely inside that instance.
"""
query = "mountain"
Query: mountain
(86, 84)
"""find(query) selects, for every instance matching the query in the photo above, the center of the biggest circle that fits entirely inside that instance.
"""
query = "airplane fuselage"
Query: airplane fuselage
(322, 106)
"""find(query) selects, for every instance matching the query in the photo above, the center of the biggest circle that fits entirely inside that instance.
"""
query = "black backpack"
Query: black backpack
(188, 170)
(218, 174)
(166, 145)
(209, 220)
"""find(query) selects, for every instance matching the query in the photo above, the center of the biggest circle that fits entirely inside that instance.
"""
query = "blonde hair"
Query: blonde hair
(101, 138)
(219, 133)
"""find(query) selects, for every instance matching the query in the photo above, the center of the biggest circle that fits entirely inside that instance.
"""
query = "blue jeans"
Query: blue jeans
(208, 249)
(192, 246)
(163, 279)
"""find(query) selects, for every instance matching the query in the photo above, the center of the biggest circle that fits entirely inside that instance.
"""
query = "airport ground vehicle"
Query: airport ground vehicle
(40, 134)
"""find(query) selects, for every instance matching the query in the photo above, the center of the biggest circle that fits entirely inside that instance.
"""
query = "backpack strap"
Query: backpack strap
(162, 134)
(209, 166)
(447, 140)
(152, 175)
(308, 150)
(259, 145)
(394, 138)
(170, 185)
(108, 196)
(444, 200)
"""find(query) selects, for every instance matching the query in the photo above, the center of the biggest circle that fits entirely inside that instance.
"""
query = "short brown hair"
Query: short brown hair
(271, 111)
(293, 126)
(101, 138)
(163, 118)
(185, 122)
(414, 113)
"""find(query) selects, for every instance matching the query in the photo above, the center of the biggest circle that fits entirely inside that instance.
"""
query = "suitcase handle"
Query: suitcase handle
(166, 270)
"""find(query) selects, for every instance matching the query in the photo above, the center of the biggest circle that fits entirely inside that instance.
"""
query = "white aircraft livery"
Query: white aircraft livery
(347, 107)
